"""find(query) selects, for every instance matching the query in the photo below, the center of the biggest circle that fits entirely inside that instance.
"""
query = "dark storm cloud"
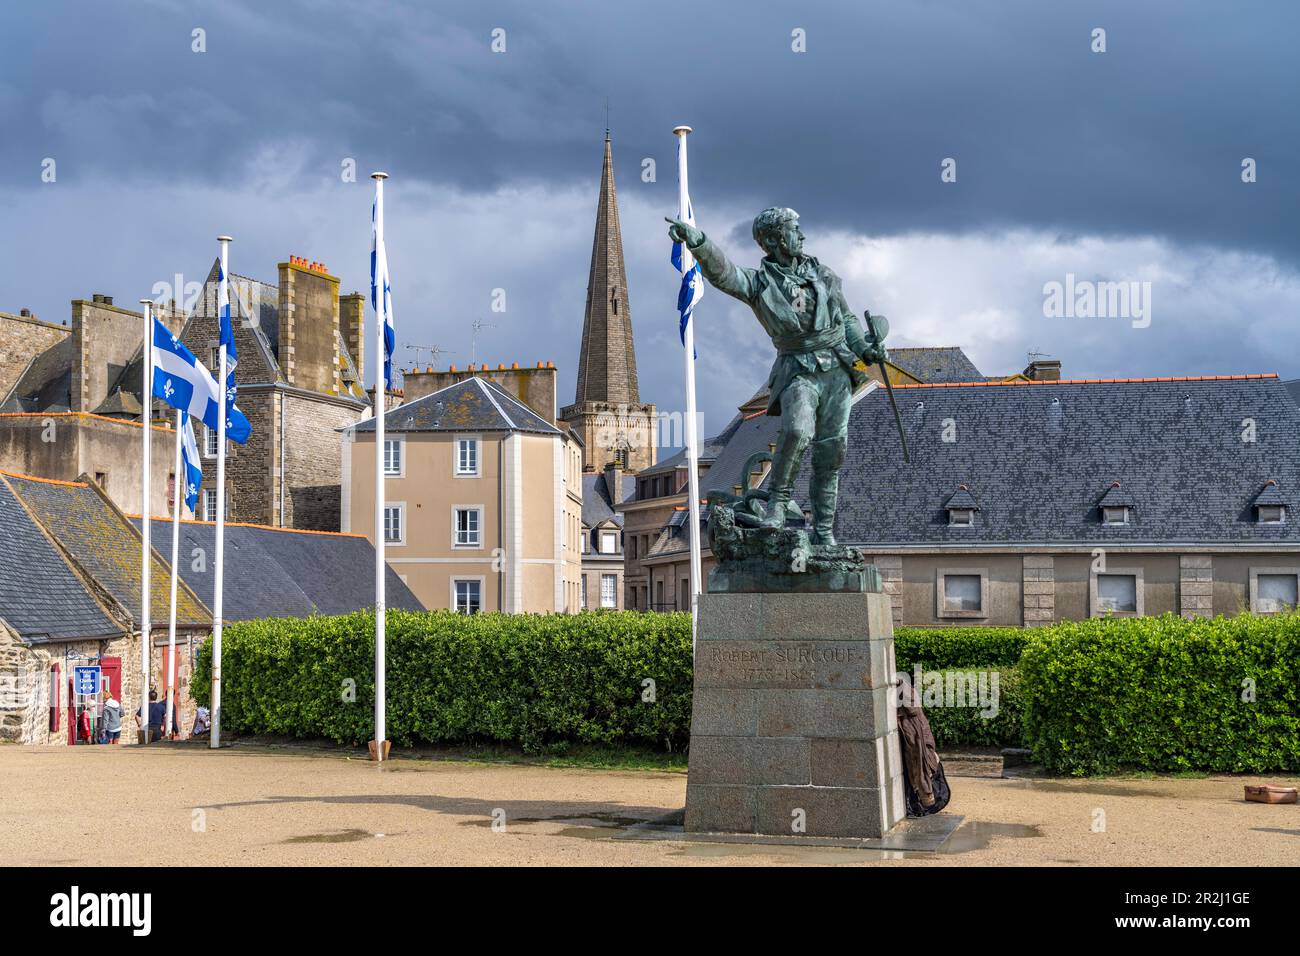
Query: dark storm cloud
(1145, 137)
(1050, 140)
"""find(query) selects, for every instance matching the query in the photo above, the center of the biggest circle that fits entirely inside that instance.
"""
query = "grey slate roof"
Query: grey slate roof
(106, 548)
(1116, 496)
(46, 383)
(273, 573)
(1039, 456)
(596, 502)
(1270, 494)
(472, 404)
(41, 597)
(935, 365)
(961, 498)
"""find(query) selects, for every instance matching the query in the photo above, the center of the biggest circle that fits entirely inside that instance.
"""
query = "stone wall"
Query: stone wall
(30, 723)
(1039, 589)
(1196, 585)
(309, 325)
(22, 338)
(313, 461)
(535, 387)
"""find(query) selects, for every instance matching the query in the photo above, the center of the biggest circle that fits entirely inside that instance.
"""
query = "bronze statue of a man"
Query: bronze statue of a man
(800, 304)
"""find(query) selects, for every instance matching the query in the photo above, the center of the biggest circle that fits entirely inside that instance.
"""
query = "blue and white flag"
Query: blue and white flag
(380, 290)
(692, 289)
(227, 333)
(181, 381)
(190, 465)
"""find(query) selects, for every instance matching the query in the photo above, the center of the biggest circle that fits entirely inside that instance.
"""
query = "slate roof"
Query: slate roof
(961, 498)
(41, 597)
(942, 364)
(1270, 494)
(283, 573)
(106, 547)
(470, 405)
(596, 502)
(1039, 456)
(46, 383)
(1116, 496)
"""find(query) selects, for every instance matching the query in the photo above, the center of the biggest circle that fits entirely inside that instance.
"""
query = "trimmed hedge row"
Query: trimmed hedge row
(1088, 697)
(943, 648)
(1165, 694)
(526, 679)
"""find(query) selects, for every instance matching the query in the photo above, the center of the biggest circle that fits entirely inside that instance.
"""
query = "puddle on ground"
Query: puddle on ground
(342, 836)
(976, 835)
(1099, 788)
(604, 821)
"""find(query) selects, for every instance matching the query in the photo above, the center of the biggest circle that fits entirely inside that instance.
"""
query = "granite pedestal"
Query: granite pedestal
(793, 726)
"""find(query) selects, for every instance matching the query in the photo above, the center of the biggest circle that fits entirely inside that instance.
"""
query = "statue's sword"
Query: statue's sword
(884, 374)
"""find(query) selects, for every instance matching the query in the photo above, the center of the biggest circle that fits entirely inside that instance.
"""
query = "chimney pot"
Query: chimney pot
(26, 312)
(514, 365)
(453, 368)
(501, 366)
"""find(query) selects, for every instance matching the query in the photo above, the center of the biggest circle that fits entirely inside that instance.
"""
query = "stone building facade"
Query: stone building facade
(298, 384)
(1034, 500)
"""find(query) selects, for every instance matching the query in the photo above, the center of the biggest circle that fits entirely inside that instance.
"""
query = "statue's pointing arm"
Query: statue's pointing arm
(714, 265)
(722, 273)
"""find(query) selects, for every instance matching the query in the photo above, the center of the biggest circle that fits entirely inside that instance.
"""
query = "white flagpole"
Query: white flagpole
(146, 627)
(692, 439)
(215, 737)
(381, 306)
(178, 485)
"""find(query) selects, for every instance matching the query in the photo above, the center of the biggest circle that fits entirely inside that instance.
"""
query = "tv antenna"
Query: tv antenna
(478, 326)
(433, 350)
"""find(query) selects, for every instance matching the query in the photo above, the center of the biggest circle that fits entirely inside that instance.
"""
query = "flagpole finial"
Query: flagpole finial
(379, 175)
(682, 130)
(146, 303)
(225, 238)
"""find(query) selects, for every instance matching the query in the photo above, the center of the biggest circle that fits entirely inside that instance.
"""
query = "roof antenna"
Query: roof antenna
(433, 350)
(479, 326)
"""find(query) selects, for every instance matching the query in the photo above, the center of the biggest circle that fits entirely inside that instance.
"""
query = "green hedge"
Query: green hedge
(944, 648)
(1164, 694)
(980, 726)
(1159, 694)
(526, 679)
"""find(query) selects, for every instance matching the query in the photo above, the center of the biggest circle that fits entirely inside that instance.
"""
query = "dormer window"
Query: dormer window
(1270, 507)
(1272, 514)
(1116, 506)
(961, 507)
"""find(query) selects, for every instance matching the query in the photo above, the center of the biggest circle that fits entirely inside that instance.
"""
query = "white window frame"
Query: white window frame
(211, 442)
(400, 445)
(1094, 601)
(961, 517)
(612, 581)
(1254, 585)
(478, 457)
(583, 605)
(455, 528)
(467, 579)
(1108, 511)
(1279, 509)
(400, 508)
(612, 536)
(941, 609)
(209, 513)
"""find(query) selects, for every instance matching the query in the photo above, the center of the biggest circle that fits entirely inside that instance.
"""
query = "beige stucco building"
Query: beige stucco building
(483, 500)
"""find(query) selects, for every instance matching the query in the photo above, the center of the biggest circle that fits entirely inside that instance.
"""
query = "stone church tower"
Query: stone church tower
(616, 427)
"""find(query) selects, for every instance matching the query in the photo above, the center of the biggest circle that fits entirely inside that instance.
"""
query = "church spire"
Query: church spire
(607, 362)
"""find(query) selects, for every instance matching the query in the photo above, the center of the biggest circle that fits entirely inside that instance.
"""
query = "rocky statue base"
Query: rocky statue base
(793, 725)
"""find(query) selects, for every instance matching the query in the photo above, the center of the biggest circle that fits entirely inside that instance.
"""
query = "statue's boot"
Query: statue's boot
(785, 468)
(827, 459)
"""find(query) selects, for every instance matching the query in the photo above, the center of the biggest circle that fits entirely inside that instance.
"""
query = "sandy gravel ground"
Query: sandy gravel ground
(169, 804)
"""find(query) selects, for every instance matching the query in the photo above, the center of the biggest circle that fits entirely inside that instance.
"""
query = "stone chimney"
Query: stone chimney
(1043, 370)
(614, 482)
(352, 323)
